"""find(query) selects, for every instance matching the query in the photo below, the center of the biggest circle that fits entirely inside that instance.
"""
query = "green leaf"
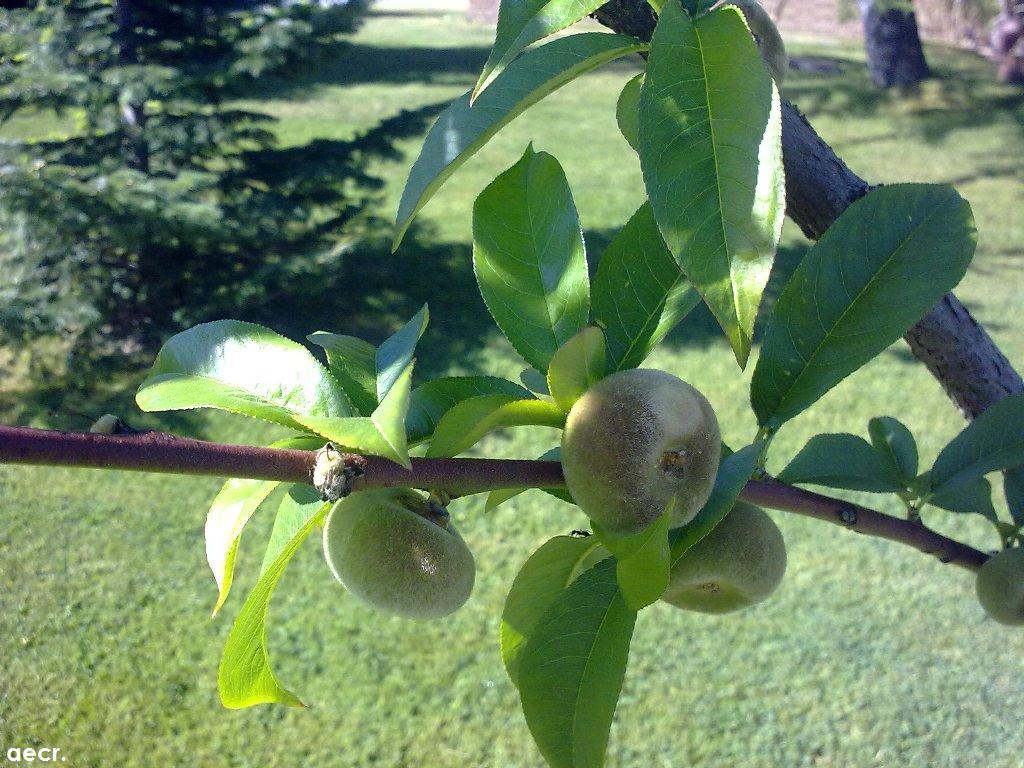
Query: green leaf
(365, 372)
(242, 368)
(298, 506)
(245, 677)
(1013, 489)
(993, 441)
(353, 364)
(627, 111)
(461, 130)
(465, 424)
(576, 366)
(499, 496)
(639, 293)
(896, 443)
(236, 502)
(395, 354)
(643, 566)
(571, 669)
(431, 401)
(711, 155)
(733, 473)
(529, 257)
(843, 461)
(523, 22)
(549, 570)
(380, 434)
(535, 381)
(970, 496)
(884, 263)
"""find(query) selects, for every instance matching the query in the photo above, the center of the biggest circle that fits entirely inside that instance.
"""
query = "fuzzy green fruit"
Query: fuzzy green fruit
(635, 441)
(400, 553)
(766, 34)
(739, 564)
(1000, 586)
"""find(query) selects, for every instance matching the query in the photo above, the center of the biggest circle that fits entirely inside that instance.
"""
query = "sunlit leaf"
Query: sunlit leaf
(236, 502)
(466, 423)
(245, 677)
(353, 363)
(643, 561)
(529, 257)
(461, 130)
(299, 505)
(710, 130)
(396, 352)
(431, 401)
(242, 368)
(576, 366)
(523, 22)
(380, 434)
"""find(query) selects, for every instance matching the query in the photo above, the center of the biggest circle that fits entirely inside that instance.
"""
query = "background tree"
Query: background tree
(892, 42)
(1007, 41)
(158, 202)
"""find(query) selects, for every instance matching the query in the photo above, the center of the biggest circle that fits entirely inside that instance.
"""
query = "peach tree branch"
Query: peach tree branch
(161, 452)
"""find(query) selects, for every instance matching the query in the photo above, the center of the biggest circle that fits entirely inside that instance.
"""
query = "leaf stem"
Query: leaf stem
(161, 452)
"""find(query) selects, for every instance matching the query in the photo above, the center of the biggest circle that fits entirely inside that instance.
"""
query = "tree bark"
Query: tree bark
(1007, 41)
(159, 452)
(819, 187)
(133, 115)
(893, 44)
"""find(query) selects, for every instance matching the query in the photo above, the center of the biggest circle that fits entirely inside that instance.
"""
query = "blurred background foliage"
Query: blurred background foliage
(150, 201)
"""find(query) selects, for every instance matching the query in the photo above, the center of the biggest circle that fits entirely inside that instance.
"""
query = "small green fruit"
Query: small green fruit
(767, 36)
(1000, 586)
(739, 564)
(396, 551)
(635, 441)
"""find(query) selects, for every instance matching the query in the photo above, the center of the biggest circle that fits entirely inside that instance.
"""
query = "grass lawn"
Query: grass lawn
(870, 655)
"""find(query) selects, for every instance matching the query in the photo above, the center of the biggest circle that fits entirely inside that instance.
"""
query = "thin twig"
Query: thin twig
(161, 452)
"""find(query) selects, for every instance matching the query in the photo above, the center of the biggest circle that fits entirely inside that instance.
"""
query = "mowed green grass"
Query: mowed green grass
(871, 654)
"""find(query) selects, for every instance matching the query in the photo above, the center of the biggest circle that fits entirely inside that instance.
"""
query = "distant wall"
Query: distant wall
(945, 21)
(483, 10)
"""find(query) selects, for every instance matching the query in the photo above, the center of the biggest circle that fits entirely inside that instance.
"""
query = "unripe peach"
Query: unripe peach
(739, 564)
(398, 552)
(636, 441)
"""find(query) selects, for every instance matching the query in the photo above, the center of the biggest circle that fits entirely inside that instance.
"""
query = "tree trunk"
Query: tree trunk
(133, 116)
(1007, 42)
(895, 56)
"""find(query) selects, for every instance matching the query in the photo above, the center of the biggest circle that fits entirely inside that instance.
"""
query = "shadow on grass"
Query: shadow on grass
(954, 98)
(325, 189)
(358, 64)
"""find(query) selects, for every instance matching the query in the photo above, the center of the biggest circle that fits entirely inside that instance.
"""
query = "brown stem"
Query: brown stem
(819, 187)
(160, 452)
(778, 495)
